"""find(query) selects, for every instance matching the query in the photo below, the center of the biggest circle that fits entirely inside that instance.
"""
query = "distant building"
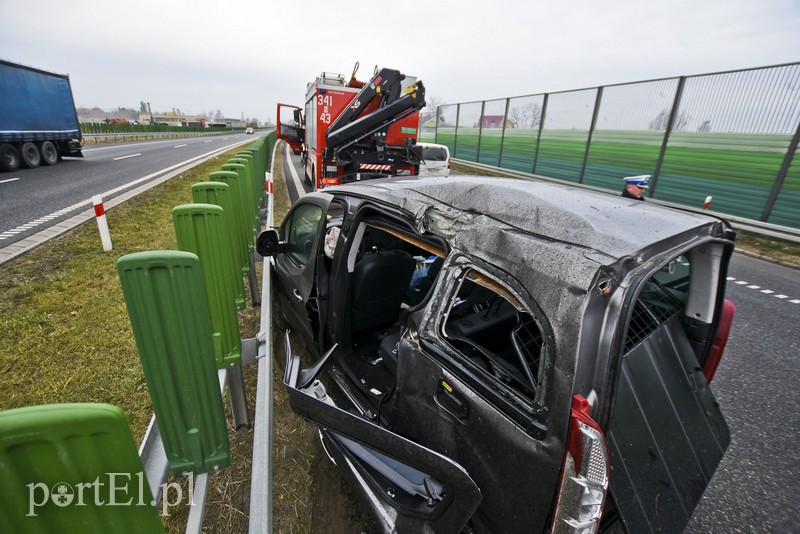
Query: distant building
(173, 118)
(493, 121)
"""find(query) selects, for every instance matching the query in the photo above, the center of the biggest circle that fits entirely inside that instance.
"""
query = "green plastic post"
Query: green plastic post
(257, 151)
(168, 310)
(230, 176)
(218, 193)
(201, 230)
(252, 205)
(72, 468)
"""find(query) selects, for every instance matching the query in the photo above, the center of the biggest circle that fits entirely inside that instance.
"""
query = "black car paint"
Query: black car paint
(583, 256)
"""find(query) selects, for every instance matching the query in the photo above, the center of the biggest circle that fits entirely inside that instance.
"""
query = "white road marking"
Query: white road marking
(126, 157)
(764, 291)
(11, 233)
(179, 146)
(9, 180)
(293, 172)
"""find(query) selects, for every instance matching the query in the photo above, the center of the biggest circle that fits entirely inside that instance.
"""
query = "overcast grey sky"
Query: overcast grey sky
(245, 56)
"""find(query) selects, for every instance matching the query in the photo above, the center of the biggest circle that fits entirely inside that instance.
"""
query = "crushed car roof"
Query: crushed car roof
(610, 224)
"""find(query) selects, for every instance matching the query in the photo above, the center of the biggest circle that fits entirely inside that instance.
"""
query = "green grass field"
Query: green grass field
(737, 170)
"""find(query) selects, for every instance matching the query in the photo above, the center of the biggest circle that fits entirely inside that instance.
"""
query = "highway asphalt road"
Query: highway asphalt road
(755, 488)
(33, 199)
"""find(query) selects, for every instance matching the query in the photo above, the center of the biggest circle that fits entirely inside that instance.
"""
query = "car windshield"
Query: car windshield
(434, 153)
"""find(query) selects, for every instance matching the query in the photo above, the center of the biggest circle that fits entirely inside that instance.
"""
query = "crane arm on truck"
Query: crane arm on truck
(363, 117)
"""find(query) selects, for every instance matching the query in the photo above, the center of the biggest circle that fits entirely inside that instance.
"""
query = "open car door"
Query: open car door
(410, 488)
(667, 434)
(291, 127)
(296, 266)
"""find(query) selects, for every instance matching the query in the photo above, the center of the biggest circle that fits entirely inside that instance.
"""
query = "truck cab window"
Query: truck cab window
(496, 334)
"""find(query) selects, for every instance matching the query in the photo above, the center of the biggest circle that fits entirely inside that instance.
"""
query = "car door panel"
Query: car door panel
(296, 268)
(667, 434)
(378, 450)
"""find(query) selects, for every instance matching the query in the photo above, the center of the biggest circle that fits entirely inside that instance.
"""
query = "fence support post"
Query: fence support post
(503, 134)
(781, 177)
(539, 135)
(670, 123)
(598, 99)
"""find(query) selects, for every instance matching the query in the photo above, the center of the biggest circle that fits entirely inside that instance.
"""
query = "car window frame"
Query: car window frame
(531, 415)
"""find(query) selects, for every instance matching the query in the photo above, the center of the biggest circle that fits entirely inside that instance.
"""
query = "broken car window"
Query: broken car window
(497, 337)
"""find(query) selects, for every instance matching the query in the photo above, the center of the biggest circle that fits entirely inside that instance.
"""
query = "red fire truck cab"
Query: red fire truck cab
(351, 131)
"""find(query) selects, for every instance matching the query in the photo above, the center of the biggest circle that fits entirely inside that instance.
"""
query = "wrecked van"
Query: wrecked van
(500, 355)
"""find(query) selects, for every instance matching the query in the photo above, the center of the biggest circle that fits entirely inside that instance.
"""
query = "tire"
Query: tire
(30, 155)
(9, 157)
(49, 153)
(305, 173)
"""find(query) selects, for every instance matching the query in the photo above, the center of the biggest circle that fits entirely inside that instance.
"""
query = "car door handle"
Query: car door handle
(297, 295)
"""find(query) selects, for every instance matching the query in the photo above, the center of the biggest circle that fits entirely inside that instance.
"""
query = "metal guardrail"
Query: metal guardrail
(94, 139)
(785, 233)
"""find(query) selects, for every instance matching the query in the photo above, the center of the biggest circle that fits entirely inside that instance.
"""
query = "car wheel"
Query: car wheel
(49, 153)
(9, 157)
(30, 155)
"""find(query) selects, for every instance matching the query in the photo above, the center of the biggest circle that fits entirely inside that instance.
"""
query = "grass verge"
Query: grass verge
(65, 334)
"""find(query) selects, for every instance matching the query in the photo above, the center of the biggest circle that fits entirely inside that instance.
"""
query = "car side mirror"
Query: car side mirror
(267, 243)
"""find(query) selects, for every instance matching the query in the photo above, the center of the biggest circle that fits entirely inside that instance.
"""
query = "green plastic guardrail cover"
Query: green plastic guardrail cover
(218, 193)
(72, 468)
(201, 230)
(167, 305)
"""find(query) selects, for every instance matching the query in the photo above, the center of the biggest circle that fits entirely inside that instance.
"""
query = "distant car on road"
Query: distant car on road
(435, 159)
(249, 131)
(501, 355)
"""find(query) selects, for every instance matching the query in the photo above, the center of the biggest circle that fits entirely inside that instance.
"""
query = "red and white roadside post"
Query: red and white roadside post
(707, 203)
(102, 223)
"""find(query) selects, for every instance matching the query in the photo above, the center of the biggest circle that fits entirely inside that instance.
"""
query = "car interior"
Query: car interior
(391, 274)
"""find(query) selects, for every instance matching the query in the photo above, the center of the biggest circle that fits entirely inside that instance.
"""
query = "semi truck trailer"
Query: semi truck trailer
(38, 121)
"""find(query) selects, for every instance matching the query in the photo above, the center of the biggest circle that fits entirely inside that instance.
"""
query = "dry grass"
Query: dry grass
(65, 335)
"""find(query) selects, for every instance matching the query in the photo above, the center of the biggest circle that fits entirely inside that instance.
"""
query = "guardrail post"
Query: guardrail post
(169, 317)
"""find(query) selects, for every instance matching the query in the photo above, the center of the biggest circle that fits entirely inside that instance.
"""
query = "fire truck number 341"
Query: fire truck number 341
(324, 101)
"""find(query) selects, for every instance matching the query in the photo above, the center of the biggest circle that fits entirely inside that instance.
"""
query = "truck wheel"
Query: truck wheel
(30, 155)
(305, 173)
(9, 157)
(49, 153)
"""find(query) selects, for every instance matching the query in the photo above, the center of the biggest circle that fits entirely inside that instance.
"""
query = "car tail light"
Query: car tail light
(720, 340)
(584, 474)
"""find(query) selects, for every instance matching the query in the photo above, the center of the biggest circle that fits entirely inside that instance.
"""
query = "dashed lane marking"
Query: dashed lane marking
(769, 292)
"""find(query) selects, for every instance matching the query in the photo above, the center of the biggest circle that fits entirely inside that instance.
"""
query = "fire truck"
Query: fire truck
(351, 131)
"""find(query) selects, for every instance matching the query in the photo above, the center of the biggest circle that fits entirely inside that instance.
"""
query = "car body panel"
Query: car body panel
(458, 496)
(579, 264)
